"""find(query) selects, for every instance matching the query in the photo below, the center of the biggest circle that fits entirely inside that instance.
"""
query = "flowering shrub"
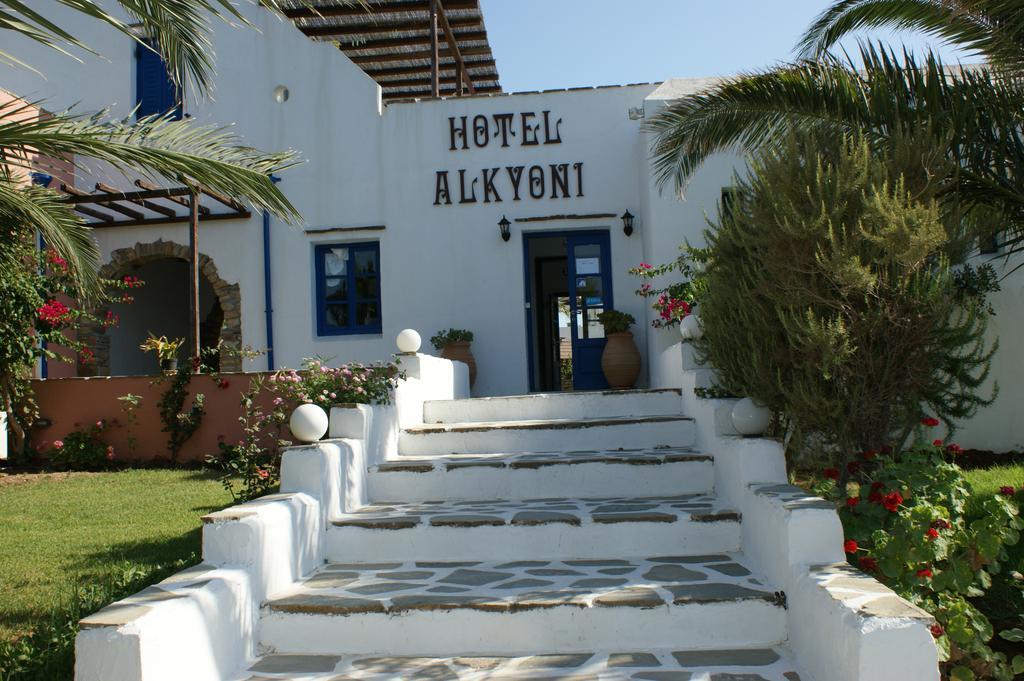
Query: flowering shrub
(442, 339)
(320, 384)
(251, 467)
(676, 300)
(83, 450)
(905, 523)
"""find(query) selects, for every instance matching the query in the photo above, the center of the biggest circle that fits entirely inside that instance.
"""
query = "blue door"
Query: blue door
(590, 294)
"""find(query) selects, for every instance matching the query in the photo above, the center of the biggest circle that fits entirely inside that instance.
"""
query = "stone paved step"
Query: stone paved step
(514, 607)
(543, 435)
(744, 664)
(543, 528)
(534, 474)
(571, 405)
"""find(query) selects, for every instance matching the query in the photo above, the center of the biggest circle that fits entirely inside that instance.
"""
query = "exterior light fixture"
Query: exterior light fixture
(504, 225)
(627, 223)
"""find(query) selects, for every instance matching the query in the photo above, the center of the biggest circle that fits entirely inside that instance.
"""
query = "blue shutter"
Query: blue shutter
(155, 93)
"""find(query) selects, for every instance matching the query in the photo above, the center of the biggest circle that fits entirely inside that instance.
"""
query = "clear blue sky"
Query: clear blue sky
(540, 44)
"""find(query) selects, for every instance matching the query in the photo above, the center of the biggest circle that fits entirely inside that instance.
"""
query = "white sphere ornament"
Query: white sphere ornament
(690, 328)
(308, 423)
(750, 417)
(409, 341)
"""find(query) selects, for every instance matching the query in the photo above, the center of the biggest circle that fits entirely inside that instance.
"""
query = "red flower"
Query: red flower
(929, 421)
(925, 573)
(937, 443)
(54, 313)
(932, 533)
(262, 473)
(1007, 491)
(937, 630)
(645, 266)
(892, 501)
(869, 455)
(867, 563)
(850, 546)
(853, 467)
(954, 449)
(831, 473)
(852, 501)
(223, 383)
(941, 524)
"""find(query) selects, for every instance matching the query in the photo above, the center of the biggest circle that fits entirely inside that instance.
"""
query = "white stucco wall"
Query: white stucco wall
(442, 265)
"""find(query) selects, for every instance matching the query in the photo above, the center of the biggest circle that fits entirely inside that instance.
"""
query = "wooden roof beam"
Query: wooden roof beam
(425, 68)
(411, 56)
(370, 29)
(453, 43)
(179, 199)
(426, 92)
(409, 41)
(155, 207)
(373, 9)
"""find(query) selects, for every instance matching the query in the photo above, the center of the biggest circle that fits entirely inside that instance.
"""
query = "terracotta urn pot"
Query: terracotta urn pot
(459, 352)
(620, 361)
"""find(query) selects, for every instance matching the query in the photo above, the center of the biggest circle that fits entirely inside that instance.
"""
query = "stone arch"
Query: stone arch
(124, 260)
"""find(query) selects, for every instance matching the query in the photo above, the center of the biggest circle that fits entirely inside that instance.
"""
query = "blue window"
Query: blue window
(155, 92)
(347, 289)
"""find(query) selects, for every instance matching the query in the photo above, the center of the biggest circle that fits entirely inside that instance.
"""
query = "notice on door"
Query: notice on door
(588, 266)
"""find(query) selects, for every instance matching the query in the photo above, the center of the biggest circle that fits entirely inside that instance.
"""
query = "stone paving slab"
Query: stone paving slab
(767, 664)
(537, 460)
(515, 586)
(398, 516)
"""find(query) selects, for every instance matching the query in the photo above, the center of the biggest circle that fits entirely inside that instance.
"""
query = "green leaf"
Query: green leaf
(1013, 635)
(1018, 664)
(961, 674)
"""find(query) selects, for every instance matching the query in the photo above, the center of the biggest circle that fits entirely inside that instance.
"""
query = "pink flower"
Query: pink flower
(1007, 491)
(57, 444)
(278, 401)
(110, 453)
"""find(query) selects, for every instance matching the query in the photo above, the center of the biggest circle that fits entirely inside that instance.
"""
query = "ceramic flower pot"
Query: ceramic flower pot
(459, 352)
(750, 417)
(169, 365)
(620, 360)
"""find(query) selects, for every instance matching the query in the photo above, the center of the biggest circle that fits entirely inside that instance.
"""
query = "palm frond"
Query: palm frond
(991, 28)
(182, 31)
(156, 148)
(61, 229)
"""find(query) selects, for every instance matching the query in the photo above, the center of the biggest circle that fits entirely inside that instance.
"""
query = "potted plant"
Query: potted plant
(166, 350)
(454, 345)
(620, 361)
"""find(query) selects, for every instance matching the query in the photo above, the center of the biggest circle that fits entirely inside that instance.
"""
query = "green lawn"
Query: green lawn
(61, 529)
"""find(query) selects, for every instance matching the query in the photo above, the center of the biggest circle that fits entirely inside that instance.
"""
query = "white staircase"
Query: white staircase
(586, 536)
(543, 536)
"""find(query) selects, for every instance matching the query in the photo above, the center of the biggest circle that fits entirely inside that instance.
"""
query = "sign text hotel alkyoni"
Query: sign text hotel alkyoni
(507, 183)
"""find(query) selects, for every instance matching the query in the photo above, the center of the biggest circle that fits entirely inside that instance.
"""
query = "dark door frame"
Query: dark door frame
(528, 286)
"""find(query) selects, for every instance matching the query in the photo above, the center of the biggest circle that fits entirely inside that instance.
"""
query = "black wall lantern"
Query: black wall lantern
(504, 225)
(627, 223)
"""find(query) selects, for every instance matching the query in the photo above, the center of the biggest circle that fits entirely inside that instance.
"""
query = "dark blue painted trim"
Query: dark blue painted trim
(322, 327)
(268, 297)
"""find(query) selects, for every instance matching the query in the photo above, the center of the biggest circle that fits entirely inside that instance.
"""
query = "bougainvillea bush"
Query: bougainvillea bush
(674, 300)
(251, 467)
(37, 316)
(905, 521)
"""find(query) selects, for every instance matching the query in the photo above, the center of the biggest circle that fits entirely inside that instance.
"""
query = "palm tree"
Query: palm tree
(154, 147)
(972, 115)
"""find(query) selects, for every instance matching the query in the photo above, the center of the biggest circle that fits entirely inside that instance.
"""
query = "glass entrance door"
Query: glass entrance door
(590, 294)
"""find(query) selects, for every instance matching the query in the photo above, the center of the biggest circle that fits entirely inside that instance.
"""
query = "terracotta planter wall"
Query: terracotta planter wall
(620, 361)
(460, 352)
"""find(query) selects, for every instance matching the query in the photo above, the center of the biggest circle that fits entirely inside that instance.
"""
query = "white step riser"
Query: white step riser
(585, 480)
(555, 406)
(599, 437)
(563, 629)
(553, 541)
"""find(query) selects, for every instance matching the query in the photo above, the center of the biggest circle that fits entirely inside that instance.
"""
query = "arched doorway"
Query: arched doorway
(161, 307)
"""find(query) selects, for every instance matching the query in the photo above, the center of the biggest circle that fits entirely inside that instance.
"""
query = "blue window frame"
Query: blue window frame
(155, 92)
(347, 288)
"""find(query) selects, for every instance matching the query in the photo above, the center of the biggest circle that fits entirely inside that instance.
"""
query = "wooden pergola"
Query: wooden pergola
(412, 48)
(149, 204)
